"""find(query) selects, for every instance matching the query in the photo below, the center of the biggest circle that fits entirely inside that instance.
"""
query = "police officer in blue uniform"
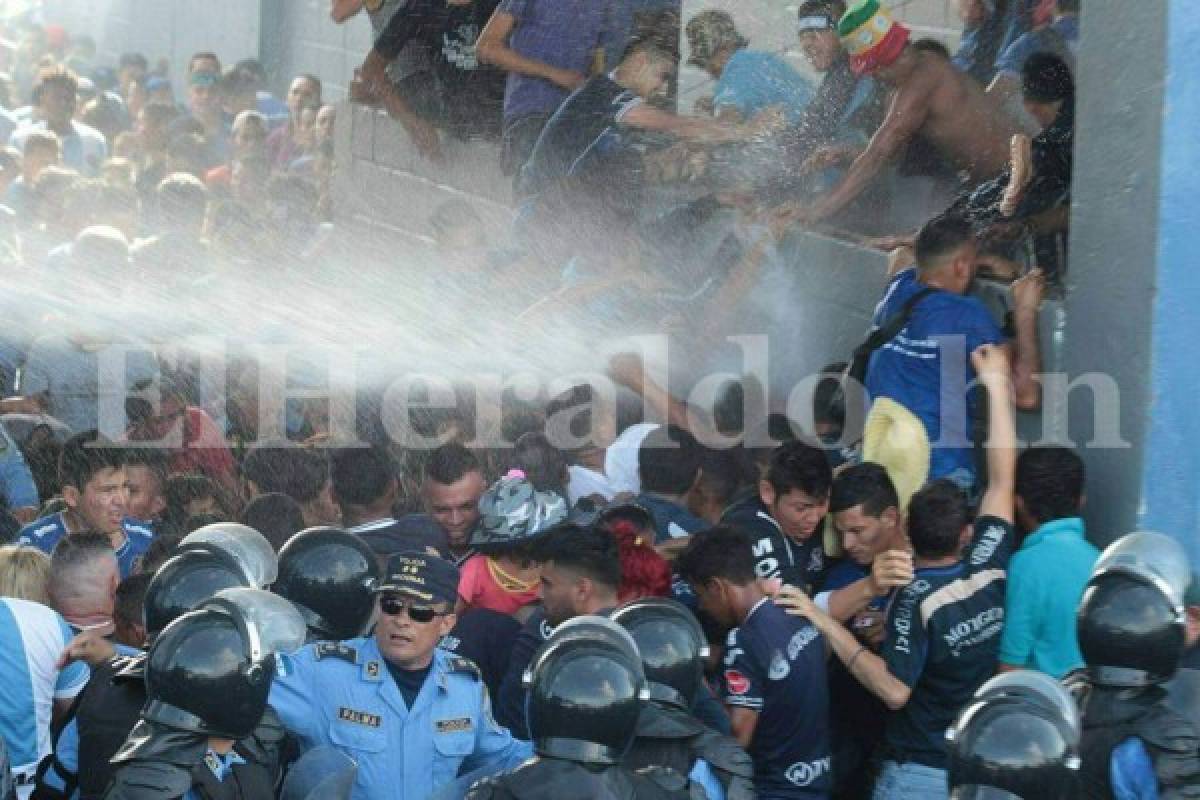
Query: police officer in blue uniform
(411, 715)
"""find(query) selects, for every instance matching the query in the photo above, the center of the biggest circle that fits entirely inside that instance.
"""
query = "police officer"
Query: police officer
(1018, 739)
(586, 688)
(672, 647)
(330, 576)
(410, 714)
(208, 675)
(1130, 627)
(110, 704)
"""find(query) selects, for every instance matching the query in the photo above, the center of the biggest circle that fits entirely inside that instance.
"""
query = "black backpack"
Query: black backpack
(855, 374)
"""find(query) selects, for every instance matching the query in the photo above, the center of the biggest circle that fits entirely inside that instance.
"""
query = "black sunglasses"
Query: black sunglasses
(393, 606)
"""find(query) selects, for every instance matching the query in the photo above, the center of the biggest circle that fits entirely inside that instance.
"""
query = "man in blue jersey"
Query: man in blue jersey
(786, 518)
(942, 636)
(32, 637)
(92, 475)
(926, 368)
(774, 672)
(669, 466)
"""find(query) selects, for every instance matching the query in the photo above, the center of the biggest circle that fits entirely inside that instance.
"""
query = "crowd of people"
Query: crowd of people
(198, 600)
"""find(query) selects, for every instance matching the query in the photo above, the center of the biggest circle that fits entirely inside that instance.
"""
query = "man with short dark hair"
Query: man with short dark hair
(944, 328)
(774, 671)
(301, 473)
(276, 516)
(943, 630)
(83, 581)
(55, 95)
(365, 486)
(146, 477)
(129, 624)
(453, 484)
(786, 517)
(1049, 572)
(91, 472)
(581, 574)
(669, 467)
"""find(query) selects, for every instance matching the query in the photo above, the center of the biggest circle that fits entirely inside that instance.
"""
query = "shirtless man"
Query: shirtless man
(930, 97)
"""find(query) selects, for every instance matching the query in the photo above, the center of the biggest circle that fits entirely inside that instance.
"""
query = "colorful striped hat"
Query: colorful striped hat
(871, 37)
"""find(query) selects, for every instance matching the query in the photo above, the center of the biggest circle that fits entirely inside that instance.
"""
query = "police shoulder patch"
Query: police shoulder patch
(466, 666)
(337, 650)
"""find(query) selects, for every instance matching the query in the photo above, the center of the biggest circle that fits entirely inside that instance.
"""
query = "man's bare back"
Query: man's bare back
(967, 127)
(934, 100)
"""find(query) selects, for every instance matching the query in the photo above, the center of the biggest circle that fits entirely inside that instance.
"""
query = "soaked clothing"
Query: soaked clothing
(777, 555)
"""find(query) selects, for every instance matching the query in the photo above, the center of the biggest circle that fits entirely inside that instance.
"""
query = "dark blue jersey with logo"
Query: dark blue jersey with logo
(775, 665)
(776, 555)
(671, 520)
(942, 640)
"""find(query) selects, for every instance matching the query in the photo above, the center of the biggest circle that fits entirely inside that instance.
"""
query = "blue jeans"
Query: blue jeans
(911, 782)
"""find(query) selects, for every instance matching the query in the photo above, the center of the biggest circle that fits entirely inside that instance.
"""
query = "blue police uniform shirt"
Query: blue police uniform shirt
(342, 694)
(46, 532)
(942, 640)
(32, 637)
(775, 665)
(909, 368)
(671, 520)
(754, 81)
(777, 555)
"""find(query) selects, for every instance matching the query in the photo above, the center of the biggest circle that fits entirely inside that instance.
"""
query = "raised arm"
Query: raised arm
(493, 49)
(1027, 359)
(342, 10)
(992, 365)
(906, 115)
(695, 129)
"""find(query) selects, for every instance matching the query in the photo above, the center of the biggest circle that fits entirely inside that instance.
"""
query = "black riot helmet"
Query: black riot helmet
(248, 548)
(586, 688)
(1131, 621)
(1018, 739)
(209, 672)
(329, 575)
(672, 646)
(186, 580)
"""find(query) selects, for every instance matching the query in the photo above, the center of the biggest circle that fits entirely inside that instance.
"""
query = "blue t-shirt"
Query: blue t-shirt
(1046, 579)
(753, 81)
(941, 640)
(46, 532)
(1060, 37)
(909, 369)
(775, 665)
(562, 33)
